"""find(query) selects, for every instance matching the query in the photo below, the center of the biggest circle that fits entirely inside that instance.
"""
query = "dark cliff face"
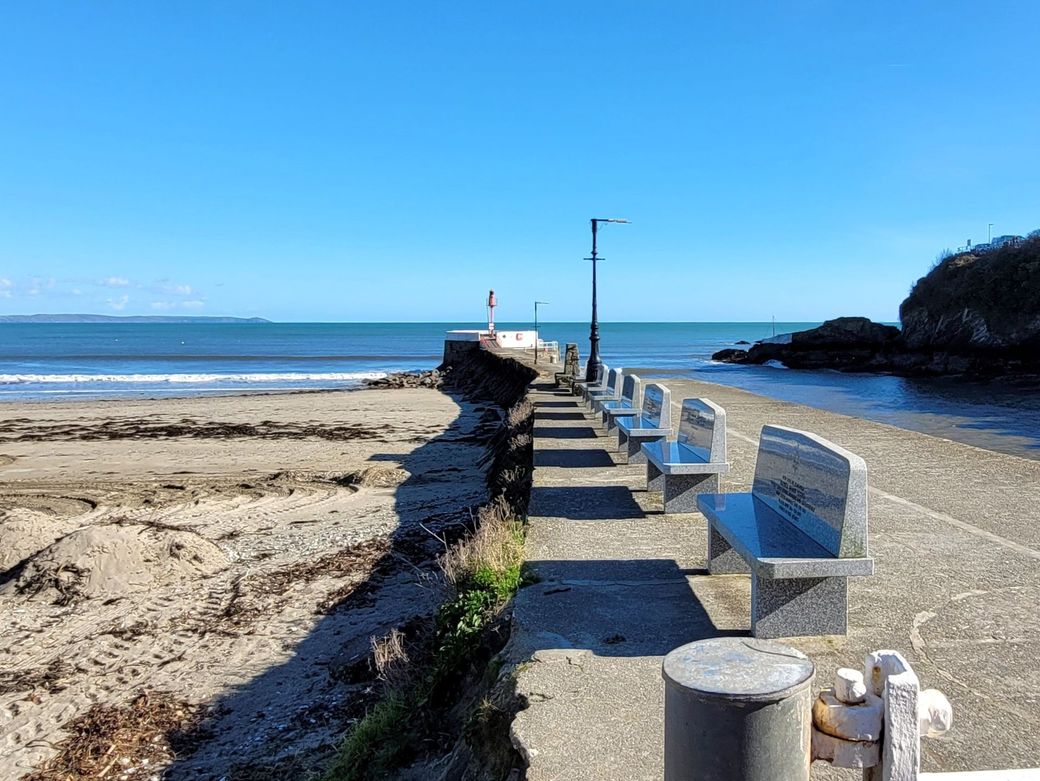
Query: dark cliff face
(970, 303)
(846, 343)
(972, 315)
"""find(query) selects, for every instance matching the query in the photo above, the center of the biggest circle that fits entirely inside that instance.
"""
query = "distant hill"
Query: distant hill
(130, 319)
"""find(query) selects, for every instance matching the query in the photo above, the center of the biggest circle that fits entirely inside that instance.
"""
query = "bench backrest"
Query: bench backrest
(657, 406)
(816, 486)
(631, 390)
(612, 381)
(702, 428)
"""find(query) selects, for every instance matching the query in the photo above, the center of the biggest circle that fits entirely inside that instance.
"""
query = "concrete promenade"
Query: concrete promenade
(955, 532)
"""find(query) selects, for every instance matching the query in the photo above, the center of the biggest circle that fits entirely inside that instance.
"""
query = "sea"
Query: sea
(50, 361)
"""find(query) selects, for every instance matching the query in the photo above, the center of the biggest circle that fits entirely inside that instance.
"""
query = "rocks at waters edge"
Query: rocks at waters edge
(846, 343)
(855, 344)
(972, 314)
(430, 379)
(846, 332)
(730, 355)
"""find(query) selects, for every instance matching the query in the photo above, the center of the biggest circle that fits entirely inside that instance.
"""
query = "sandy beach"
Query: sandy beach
(220, 560)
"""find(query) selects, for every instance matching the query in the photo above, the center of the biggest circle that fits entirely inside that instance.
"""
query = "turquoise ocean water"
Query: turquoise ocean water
(52, 361)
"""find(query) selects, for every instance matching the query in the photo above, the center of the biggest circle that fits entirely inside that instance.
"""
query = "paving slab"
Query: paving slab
(954, 530)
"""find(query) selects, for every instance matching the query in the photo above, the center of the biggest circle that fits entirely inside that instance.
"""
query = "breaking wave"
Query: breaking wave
(195, 379)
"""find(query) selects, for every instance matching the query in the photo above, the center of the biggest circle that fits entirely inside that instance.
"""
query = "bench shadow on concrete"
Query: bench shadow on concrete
(576, 415)
(585, 503)
(565, 432)
(572, 404)
(634, 607)
(573, 459)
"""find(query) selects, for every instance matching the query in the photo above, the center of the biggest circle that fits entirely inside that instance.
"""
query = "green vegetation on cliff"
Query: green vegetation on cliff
(973, 302)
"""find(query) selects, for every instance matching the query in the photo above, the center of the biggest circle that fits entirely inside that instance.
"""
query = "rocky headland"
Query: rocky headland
(972, 314)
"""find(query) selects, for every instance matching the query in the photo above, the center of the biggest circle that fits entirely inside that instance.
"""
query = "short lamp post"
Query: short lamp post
(590, 371)
(536, 305)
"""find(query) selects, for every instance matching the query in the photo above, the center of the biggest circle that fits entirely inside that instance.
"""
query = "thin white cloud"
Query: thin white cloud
(38, 284)
(115, 282)
(162, 306)
(194, 304)
(169, 287)
(5, 283)
(4, 293)
(118, 304)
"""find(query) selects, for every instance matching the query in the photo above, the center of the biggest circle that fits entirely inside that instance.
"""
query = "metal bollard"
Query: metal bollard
(737, 709)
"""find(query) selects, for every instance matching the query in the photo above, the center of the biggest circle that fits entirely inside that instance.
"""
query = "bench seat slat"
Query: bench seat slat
(771, 545)
(618, 409)
(642, 425)
(676, 458)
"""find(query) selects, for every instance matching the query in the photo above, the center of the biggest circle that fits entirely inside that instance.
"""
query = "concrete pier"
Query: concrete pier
(955, 532)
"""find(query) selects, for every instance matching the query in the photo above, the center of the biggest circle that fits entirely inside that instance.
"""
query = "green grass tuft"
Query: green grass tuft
(485, 572)
(377, 743)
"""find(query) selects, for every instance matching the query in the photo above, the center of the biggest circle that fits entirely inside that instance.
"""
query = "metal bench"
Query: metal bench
(802, 532)
(691, 464)
(653, 424)
(626, 406)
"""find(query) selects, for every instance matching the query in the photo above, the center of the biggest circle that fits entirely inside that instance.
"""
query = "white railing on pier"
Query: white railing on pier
(550, 350)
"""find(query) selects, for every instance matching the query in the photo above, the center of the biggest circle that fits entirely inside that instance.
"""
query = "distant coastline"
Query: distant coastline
(71, 319)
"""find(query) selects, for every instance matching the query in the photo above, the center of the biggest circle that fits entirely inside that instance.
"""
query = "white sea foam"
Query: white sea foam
(198, 379)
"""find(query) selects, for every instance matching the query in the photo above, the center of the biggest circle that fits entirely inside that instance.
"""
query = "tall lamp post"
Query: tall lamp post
(590, 370)
(536, 304)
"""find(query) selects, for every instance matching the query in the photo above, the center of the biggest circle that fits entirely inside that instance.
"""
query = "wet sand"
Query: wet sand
(236, 553)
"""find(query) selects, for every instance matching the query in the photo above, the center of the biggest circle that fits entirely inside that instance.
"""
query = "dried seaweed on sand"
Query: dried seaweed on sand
(127, 742)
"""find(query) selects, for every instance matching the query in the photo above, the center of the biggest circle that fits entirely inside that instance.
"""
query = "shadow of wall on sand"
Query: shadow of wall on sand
(284, 720)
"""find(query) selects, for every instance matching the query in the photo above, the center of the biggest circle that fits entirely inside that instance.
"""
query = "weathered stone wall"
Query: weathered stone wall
(455, 351)
(488, 375)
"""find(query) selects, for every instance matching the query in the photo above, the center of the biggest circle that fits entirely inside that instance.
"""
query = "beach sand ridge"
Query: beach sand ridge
(217, 554)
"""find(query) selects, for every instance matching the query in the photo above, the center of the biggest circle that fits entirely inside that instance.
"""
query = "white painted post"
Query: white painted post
(887, 701)
(892, 678)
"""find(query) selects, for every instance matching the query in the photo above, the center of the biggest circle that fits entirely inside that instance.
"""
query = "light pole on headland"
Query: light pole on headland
(989, 233)
(536, 304)
(590, 371)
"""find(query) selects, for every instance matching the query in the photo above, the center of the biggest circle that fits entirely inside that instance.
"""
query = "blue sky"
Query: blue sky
(393, 161)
